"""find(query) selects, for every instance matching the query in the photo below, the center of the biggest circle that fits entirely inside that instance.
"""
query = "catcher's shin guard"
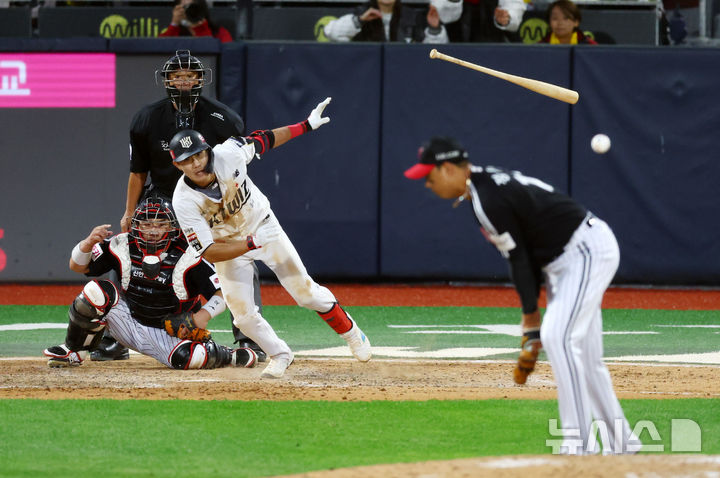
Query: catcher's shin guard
(529, 351)
(78, 338)
(87, 313)
(195, 355)
(244, 357)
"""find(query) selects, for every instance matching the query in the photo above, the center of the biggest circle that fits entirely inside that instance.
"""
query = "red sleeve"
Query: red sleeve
(171, 31)
(202, 30)
(223, 35)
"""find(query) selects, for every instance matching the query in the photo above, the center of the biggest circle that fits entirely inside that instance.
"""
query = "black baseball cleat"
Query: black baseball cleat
(249, 344)
(108, 350)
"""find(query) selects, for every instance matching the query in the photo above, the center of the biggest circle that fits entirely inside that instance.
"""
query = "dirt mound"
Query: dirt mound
(655, 466)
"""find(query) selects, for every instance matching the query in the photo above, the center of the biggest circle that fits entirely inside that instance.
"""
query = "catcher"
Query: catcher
(156, 310)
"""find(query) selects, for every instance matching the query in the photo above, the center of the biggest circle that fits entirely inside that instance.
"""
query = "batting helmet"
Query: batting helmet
(186, 143)
(184, 99)
(154, 225)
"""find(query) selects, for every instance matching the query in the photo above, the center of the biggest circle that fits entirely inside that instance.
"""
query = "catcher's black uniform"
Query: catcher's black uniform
(181, 280)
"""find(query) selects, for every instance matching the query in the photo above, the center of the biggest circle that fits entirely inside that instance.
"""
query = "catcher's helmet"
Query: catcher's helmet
(184, 99)
(154, 225)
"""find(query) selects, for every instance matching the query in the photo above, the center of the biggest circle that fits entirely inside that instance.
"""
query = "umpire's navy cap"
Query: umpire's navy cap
(438, 150)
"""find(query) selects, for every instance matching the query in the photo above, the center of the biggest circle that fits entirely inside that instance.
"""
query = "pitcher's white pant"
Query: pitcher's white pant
(132, 334)
(571, 335)
(237, 286)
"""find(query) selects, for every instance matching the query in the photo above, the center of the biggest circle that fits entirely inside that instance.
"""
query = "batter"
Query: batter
(228, 221)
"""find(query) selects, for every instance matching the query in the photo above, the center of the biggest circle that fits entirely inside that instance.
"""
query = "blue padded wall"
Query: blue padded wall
(340, 192)
(230, 76)
(657, 187)
(323, 186)
(498, 123)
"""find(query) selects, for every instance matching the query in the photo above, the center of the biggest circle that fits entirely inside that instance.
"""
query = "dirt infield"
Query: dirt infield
(333, 379)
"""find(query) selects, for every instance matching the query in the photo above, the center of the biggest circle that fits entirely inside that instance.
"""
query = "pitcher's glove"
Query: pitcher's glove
(183, 327)
(529, 350)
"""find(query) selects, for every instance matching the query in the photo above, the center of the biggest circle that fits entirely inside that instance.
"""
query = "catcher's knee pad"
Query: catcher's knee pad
(195, 355)
(90, 307)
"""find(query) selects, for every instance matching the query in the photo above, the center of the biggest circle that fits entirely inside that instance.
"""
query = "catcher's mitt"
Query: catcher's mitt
(529, 350)
(183, 327)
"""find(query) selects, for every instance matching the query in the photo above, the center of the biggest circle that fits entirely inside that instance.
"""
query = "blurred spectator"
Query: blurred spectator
(564, 19)
(494, 21)
(677, 28)
(192, 18)
(387, 20)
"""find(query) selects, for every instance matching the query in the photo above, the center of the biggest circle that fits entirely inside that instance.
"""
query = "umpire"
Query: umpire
(545, 235)
(183, 77)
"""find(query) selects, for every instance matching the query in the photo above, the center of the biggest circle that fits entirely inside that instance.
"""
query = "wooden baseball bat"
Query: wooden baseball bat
(547, 89)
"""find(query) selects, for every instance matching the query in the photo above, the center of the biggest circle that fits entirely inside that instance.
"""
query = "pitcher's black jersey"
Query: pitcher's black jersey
(181, 280)
(526, 220)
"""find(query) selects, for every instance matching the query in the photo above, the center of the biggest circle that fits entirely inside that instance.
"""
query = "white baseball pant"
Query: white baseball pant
(237, 285)
(571, 335)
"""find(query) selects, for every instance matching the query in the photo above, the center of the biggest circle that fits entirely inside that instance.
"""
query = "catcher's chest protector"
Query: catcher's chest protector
(151, 299)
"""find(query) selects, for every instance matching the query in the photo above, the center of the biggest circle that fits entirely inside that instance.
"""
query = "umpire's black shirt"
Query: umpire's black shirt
(527, 221)
(154, 126)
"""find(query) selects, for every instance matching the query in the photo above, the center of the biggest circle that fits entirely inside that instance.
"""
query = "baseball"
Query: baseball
(600, 143)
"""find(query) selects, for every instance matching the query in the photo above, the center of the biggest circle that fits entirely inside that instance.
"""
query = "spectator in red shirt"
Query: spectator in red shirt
(192, 18)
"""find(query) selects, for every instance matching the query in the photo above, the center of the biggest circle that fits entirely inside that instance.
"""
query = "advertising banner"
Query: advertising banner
(57, 80)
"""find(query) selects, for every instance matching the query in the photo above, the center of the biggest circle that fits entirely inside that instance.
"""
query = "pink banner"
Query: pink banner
(57, 80)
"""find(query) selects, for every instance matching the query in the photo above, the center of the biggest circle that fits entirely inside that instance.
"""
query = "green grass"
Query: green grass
(303, 330)
(77, 438)
(234, 438)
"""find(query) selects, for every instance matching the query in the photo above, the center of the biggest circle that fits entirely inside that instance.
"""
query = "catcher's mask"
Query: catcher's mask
(187, 143)
(183, 77)
(153, 227)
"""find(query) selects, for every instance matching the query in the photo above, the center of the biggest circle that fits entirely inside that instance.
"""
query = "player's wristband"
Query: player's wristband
(79, 257)
(251, 243)
(215, 306)
(299, 128)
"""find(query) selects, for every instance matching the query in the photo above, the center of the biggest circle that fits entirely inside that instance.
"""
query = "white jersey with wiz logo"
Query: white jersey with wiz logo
(231, 207)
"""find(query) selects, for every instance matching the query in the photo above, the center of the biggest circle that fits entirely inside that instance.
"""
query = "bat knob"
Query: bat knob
(433, 53)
